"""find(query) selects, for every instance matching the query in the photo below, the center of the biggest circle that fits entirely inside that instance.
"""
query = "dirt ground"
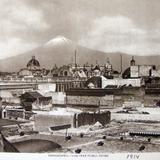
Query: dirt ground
(112, 143)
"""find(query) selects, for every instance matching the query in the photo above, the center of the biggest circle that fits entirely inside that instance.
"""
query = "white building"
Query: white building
(136, 82)
(141, 71)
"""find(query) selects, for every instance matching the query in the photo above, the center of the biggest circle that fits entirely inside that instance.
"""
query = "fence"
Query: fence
(17, 113)
(91, 118)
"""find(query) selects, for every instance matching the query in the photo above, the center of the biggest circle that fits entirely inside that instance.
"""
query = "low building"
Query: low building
(103, 82)
(139, 71)
(9, 97)
(25, 72)
(136, 82)
(156, 72)
(33, 69)
(90, 99)
(35, 101)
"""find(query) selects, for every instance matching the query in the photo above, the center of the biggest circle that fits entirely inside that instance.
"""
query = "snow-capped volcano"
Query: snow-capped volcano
(59, 40)
(61, 51)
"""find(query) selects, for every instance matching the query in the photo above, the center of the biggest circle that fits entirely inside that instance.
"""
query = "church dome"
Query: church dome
(97, 67)
(33, 63)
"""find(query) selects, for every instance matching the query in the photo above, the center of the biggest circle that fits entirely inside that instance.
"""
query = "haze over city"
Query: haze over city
(132, 27)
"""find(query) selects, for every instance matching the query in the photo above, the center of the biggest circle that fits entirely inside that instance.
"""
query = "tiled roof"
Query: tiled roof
(32, 95)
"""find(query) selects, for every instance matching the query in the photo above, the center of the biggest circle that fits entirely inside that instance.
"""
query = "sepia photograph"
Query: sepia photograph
(80, 77)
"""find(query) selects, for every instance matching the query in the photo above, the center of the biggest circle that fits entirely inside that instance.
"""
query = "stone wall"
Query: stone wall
(151, 100)
(82, 119)
(90, 100)
(16, 113)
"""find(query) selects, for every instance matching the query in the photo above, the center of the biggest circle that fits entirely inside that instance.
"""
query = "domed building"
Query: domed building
(97, 70)
(108, 71)
(33, 64)
(33, 69)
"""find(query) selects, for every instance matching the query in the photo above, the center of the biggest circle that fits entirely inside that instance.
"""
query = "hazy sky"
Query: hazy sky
(131, 26)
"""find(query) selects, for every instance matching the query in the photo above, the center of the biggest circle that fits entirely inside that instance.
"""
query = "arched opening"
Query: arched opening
(61, 73)
(4, 114)
(65, 73)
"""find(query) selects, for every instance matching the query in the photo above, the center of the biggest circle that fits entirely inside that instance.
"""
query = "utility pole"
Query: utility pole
(75, 58)
(121, 63)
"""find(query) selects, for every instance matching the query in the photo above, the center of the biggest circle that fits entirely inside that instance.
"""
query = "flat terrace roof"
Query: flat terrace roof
(91, 92)
(147, 133)
(96, 92)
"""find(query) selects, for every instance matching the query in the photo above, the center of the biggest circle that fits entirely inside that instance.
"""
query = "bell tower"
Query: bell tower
(132, 62)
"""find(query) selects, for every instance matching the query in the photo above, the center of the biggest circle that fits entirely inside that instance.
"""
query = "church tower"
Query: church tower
(132, 62)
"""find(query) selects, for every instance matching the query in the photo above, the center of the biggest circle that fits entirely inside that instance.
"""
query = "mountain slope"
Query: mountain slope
(61, 50)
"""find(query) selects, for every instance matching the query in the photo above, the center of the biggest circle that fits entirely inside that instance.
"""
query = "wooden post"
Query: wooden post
(23, 113)
(99, 106)
(66, 132)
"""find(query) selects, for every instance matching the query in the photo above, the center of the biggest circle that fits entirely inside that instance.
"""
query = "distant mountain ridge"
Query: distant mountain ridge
(61, 51)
